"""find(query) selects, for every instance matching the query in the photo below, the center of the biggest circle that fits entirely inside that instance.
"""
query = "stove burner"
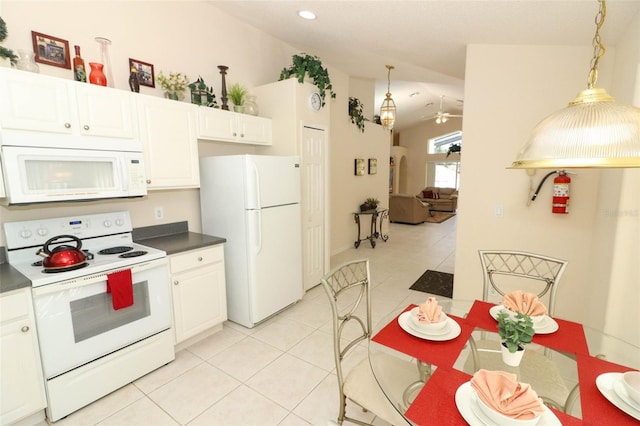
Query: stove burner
(64, 268)
(115, 250)
(37, 263)
(134, 253)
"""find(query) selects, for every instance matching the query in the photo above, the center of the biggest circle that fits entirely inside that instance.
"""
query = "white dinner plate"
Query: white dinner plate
(547, 325)
(452, 329)
(610, 385)
(466, 401)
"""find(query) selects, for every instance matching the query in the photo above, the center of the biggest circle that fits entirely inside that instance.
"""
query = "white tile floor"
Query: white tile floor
(280, 372)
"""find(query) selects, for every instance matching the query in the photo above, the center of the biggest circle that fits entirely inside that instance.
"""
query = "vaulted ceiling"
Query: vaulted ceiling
(426, 40)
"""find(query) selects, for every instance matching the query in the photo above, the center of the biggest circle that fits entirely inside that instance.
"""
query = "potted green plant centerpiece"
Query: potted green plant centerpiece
(237, 93)
(454, 147)
(515, 332)
(369, 204)
(305, 65)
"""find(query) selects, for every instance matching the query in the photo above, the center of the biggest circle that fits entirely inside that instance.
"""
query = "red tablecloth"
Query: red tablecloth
(439, 353)
(596, 409)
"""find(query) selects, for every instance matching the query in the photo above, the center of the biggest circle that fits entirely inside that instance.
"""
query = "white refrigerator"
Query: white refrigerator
(254, 202)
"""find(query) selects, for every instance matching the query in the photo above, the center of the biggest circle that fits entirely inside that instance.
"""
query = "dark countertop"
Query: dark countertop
(11, 279)
(174, 238)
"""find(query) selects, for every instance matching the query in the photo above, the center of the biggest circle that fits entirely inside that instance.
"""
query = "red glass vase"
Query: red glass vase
(97, 75)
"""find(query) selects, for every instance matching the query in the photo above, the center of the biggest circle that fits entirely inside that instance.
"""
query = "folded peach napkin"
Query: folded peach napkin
(526, 303)
(503, 393)
(429, 311)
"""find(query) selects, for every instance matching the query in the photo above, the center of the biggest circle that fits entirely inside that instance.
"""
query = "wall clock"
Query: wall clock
(315, 101)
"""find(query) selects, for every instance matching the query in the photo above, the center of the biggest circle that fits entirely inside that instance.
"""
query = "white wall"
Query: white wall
(347, 190)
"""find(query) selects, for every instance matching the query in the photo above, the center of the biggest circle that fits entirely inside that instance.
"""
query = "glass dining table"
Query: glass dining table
(576, 370)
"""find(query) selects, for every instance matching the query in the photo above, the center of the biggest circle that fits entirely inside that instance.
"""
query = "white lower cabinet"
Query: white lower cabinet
(199, 291)
(168, 133)
(22, 394)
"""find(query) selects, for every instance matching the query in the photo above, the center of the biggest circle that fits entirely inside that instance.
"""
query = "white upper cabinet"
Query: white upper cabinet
(219, 125)
(168, 134)
(39, 110)
(34, 102)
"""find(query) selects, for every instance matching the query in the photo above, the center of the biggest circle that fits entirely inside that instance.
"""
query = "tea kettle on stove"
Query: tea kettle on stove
(63, 256)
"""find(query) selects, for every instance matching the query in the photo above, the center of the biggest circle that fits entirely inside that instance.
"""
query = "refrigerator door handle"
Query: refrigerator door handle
(259, 233)
(253, 185)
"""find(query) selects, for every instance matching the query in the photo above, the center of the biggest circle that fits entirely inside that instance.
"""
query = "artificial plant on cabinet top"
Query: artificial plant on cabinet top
(311, 66)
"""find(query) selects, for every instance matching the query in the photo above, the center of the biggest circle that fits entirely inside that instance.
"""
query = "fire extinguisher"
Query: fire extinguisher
(560, 202)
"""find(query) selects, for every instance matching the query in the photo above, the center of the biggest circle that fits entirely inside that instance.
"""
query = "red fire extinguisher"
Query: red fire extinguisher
(561, 193)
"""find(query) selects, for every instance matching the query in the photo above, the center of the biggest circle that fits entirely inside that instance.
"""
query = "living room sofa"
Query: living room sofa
(407, 208)
(440, 199)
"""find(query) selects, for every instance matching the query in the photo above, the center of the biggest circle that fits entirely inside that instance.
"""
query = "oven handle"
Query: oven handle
(95, 278)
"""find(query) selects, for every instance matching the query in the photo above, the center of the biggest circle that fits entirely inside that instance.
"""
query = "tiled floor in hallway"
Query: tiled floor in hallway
(280, 372)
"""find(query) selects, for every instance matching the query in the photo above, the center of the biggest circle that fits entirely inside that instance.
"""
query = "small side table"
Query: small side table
(375, 231)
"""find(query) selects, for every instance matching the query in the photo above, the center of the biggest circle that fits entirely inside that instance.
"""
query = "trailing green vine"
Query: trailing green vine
(304, 64)
(355, 112)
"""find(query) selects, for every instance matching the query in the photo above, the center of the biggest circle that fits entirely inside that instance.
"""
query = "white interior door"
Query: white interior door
(313, 205)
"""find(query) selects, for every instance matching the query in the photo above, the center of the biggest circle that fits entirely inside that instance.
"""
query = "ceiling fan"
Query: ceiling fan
(441, 116)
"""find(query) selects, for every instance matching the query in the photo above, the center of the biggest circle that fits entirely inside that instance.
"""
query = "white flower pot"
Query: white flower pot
(512, 358)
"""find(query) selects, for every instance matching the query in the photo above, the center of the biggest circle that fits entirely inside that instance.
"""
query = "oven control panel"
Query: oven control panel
(37, 232)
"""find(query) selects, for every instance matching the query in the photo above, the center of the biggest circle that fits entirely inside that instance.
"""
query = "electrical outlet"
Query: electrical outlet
(158, 213)
(498, 211)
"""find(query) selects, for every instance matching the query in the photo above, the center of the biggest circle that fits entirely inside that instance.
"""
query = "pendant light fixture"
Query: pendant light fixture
(388, 108)
(593, 131)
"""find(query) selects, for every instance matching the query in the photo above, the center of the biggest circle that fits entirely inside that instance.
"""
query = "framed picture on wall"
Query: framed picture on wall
(51, 50)
(359, 167)
(373, 166)
(144, 71)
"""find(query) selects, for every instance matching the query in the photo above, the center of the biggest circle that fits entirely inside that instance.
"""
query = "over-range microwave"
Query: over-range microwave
(42, 175)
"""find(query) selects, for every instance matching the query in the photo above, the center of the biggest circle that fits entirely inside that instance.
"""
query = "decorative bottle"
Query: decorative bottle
(250, 105)
(79, 71)
(26, 61)
(97, 75)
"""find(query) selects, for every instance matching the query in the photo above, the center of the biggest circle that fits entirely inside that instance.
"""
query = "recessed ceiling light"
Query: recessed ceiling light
(306, 14)
(414, 94)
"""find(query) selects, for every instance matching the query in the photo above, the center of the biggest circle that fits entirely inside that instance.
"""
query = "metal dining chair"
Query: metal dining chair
(505, 271)
(348, 288)
(501, 268)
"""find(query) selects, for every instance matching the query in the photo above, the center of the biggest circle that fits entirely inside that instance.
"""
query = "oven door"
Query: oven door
(77, 324)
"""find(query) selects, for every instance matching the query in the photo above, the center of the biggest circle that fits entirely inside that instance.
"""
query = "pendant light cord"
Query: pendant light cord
(598, 47)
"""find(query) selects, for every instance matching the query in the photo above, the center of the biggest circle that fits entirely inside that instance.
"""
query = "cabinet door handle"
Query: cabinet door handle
(148, 181)
(176, 282)
(86, 127)
(235, 134)
(242, 135)
(25, 328)
(67, 125)
(199, 258)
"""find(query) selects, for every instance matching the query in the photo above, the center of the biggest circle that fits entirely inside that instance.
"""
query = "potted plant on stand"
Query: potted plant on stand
(237, 93)
(515, 332)
(369, 204)
(305, 65)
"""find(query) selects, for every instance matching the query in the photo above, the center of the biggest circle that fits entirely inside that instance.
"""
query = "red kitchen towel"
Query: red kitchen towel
(120, 285)
(569, 337)
(596, 409)
(440, 353)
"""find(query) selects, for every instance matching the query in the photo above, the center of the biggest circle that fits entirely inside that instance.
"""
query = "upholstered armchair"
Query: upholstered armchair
(407, 208)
